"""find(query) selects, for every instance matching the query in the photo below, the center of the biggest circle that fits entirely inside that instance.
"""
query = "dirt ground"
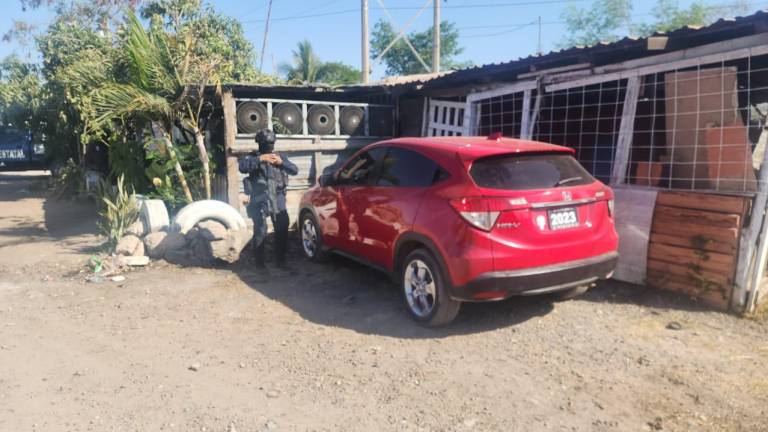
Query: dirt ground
(329, 347)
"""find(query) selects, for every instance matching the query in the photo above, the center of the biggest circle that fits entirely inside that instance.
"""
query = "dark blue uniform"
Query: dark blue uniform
(266, 185)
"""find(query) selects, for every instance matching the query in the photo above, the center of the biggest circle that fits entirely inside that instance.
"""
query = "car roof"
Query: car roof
(478, 146)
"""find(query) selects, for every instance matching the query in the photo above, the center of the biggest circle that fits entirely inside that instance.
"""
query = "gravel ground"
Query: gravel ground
(329, 347)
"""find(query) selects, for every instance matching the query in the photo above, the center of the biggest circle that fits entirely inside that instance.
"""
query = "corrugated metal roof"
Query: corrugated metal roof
(625, 44)
(531, 61)
(408, 79)
(720, 23)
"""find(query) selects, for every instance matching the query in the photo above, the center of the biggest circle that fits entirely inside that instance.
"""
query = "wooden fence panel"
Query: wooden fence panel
(694, 245)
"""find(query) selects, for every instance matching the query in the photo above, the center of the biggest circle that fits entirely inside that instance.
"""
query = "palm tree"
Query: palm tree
(164, 85)
(305, 67)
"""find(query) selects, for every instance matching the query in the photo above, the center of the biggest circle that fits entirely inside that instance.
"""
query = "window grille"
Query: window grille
(501, 114)
(701, 127)
(586, 119)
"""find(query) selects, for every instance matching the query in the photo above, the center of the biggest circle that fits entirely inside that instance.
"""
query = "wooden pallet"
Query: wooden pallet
(694, 245)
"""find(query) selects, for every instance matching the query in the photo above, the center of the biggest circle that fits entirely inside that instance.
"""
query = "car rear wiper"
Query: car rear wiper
(567, 180)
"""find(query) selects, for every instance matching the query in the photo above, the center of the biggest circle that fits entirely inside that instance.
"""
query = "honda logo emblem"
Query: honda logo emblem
(567, 196)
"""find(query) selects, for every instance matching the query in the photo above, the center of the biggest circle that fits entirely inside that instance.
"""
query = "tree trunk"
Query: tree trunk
(159, 132)
(200, 141)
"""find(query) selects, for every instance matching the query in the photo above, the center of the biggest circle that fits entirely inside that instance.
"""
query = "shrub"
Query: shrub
(118, 209)
(69, 180)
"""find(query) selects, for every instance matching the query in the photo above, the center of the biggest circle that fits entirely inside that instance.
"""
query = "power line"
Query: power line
(448, 6)
(517, 26)
(252, 11)
(295, 17)
(492, 5)
(482, 5)
(512, 30)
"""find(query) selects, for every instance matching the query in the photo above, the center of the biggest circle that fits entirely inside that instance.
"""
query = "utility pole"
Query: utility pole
(538, 45)
(436, 39)
(364, 40)
(266, 34)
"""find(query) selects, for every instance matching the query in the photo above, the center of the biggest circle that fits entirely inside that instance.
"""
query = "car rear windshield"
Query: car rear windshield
(539, 171)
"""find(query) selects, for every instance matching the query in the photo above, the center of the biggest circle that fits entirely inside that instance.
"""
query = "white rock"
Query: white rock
(228, 249)
(160, 243)
(122, 261)
(212, 230)
(130, 245)
(137, 229)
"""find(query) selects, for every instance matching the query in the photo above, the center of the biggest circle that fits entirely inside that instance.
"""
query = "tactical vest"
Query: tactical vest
(265, 185)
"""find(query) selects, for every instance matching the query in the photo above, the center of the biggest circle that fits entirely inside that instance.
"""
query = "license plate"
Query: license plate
(11, 154)
(563, 218)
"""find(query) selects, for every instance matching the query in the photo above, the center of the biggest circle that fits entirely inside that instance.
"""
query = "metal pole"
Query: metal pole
(436, 39)
(266, 34)
(538, 46)
(364, 41)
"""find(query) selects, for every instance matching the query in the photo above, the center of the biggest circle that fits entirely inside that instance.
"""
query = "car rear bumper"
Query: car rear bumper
(499, 285)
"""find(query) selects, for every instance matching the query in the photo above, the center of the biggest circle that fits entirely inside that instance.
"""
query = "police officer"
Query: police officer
(266, 184)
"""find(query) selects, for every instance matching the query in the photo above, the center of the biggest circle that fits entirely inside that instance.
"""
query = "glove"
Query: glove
(252, 163)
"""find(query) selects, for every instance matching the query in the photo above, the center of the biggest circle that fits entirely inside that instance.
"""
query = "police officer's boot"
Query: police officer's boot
(258, 257)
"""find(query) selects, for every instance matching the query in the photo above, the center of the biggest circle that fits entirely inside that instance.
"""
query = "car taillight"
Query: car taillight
(483, 212)
(610, 207)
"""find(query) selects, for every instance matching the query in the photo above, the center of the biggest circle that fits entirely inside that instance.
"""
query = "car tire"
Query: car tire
(572, 292)
(425, 290)
(311, 238)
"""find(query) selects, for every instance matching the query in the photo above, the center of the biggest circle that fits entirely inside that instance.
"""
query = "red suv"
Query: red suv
(457, 219)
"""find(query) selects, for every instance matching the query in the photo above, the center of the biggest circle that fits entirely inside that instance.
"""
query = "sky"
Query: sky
(491, 31)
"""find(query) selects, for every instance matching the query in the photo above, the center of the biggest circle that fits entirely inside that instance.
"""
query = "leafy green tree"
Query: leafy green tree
(79, 29)
(65, 43)
(604, 20)
(668, 15)
(216, 34)
(609, 20)
(338, 73)
(102, 14)
(400, 60)
(86, 57)
(20, 92)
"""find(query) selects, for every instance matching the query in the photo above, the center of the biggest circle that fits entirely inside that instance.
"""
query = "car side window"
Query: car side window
(407, 168)
(359, 171)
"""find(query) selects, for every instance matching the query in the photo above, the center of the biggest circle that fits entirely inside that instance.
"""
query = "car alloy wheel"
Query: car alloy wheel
(309, 238)
(426, 290)
(420, 288)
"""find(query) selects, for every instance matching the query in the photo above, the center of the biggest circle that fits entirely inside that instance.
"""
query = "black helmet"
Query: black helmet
(266, 140)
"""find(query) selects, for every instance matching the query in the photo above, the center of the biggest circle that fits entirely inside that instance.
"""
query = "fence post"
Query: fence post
(230, 131)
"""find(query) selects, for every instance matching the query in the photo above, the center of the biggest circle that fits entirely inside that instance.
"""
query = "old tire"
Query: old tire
(192, 213)
(311, 238)
(153, 215)
(571, 292)
(425, 290)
